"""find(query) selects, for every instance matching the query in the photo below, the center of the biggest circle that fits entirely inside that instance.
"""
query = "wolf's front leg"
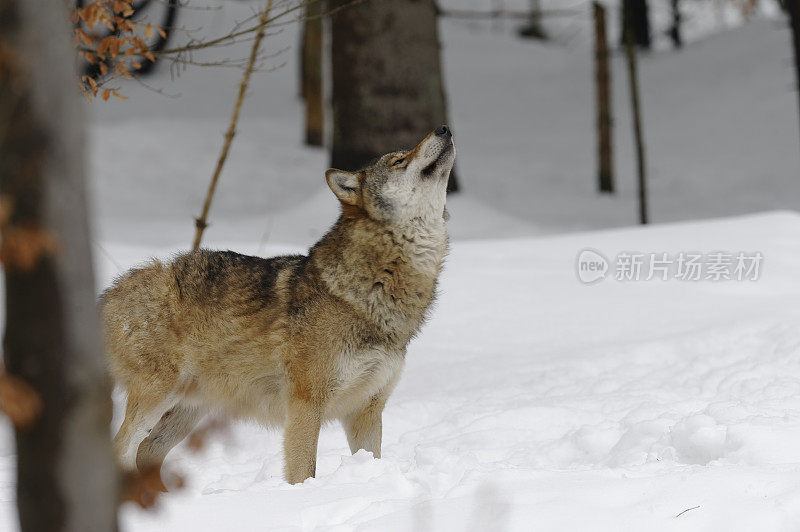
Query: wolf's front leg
(300, 440)
(364, 428)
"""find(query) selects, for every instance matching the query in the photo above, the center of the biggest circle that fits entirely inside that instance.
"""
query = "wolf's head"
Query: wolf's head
(401, 185)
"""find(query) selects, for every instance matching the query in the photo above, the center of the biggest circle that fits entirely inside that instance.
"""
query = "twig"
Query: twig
(201, 223)
(185, 5)
(505, 13)
(105, 252)
(688, 509)
(153, 89)
(228, 37)
(222, 41)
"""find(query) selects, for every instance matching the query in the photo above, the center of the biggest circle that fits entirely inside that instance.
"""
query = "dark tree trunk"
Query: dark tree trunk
(66, 477)
(312, 73)
(675, 30)
(387, 79)
(793, 9)
(635, 16)
(605, 171)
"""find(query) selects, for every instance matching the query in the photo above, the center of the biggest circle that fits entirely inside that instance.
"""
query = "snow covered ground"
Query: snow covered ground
(534, 402)
(530, 400)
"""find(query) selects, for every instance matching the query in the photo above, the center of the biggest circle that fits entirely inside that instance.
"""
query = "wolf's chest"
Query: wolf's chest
(367, 371)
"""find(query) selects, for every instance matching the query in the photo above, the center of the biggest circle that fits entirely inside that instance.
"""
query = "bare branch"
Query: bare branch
(688, 509)
(505, 13)
(201, 223)
(226, 40)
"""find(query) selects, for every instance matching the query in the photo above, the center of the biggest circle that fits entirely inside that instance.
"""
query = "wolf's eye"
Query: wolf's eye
(398, 161)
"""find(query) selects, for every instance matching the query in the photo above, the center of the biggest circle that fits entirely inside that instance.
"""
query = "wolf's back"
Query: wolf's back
(201, 297)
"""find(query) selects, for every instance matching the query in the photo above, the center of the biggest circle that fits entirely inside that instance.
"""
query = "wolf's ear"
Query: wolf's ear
(346, 185)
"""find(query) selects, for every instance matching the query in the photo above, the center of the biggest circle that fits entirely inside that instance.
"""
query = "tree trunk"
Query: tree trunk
(66, 477)
(312, 73)
(638, 135)
(675, 30)
(793, 9)
(635, 16)
(605, 171)
(387, 81)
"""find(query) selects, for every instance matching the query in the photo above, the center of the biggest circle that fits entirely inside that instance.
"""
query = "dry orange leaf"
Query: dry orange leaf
(6, 209)
(123, 8)
(144, 487)
(19, 401)
(122, 70)
(90, 15)
(198, 438)
(110, 44)
(84, 37)
(90, 57)
(23, 247)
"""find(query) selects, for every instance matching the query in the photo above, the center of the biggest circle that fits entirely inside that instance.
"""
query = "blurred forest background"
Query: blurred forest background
(524, 111)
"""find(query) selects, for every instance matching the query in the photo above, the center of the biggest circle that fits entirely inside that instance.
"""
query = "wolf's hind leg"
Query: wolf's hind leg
(142, 412)
(363, 428)
(170, 430)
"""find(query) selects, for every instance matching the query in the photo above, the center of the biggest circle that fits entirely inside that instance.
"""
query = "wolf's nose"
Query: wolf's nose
(443, 130)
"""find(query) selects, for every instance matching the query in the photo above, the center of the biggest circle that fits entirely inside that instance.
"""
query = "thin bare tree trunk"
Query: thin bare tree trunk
(641, 167)
(793, 9)
(312, 73)
(66, 476)
(605, 171)
(675, 30)
(202, 222)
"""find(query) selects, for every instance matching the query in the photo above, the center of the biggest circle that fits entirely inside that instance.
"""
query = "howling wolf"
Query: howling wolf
(290, 341)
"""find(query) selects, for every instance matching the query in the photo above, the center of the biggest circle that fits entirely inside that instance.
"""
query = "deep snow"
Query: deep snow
(534, 402)
(530, 400)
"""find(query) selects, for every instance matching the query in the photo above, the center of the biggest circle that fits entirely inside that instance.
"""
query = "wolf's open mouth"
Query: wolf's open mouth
(428, 170)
